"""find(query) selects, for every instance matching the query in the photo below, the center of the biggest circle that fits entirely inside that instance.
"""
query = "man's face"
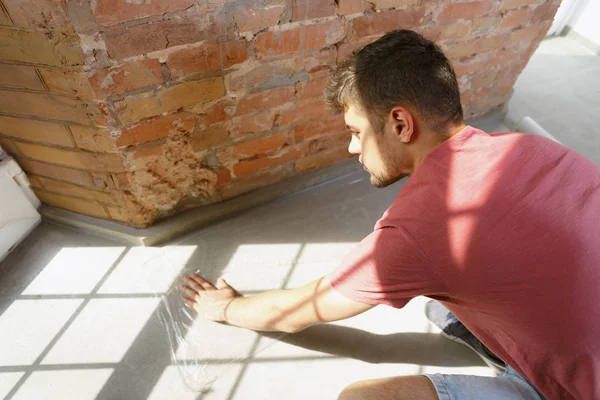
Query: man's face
(380, 153)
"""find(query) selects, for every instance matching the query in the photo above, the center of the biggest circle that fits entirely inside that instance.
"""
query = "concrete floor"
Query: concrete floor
(80, 316)
(560, 90)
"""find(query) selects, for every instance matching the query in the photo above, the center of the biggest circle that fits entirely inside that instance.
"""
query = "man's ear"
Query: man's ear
(403, 123)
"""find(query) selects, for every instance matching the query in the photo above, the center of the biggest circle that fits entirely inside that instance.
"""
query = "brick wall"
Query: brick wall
(130, 110)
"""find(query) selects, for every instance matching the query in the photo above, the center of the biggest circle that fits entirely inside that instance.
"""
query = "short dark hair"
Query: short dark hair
(401, 68)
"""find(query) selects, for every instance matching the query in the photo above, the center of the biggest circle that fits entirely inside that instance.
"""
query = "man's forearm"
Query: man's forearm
(267, 311)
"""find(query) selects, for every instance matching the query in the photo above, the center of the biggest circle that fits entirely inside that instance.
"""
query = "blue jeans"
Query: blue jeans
(508, 386)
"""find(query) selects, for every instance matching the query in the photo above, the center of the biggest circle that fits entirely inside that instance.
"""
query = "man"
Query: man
(503, 230)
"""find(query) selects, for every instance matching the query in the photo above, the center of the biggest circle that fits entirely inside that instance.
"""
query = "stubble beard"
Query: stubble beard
(379, 181)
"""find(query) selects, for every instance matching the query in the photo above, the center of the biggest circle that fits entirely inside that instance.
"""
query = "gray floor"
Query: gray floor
(78, 313)
(560, 90)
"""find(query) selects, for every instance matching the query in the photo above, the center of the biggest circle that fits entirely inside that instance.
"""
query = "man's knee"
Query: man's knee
(398, 388)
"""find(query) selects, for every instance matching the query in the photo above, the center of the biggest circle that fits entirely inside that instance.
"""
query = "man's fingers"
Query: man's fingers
(189, 302)
(221, 284)
(204, 283)
(190, 293)
(193, 284)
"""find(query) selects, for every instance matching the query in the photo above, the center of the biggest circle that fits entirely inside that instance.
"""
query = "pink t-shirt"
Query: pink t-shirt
(504, 230)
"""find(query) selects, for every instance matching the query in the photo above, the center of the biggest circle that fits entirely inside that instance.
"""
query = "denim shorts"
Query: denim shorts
(507, 386)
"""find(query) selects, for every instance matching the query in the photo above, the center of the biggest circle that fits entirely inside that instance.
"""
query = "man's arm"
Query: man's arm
(277, 310)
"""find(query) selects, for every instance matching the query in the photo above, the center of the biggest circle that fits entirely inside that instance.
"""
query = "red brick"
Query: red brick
(382, 22)
(322, 60)
(489, 103)
(44, 14)
(4, 19)
(510, 4)
(75, 159)
(347, 48)
(311, 9)
(453, 30)
(476, 45)
(313, 36)
(251, 124)
(484, 24)
(72, 203)
(319, 127)
(255, 17)
(183, 95)
(102, 113)
(40, 47)
(455, 11)
(9, 146)
(234, 52)
(122, 180)
(244, 168)
(53, 171)
(223, 176)
(327, 142)
(525, 35)
(216, 112)
(322, 159)
(205, 139)
(205, 58)
(92, 139)
(346, 7)
(148, 152)
(501, 58)
(261, 73)
(68, 82)
(544, 12)
(264, 100)
(141, 39)
(481, 94)
(36, 131)
(260, 146)
(487, 43)
(308, 109)
(264, 178)
(52, 185)
(112, 12)
(118, 214)
(35, 181)
(508, 76)
(102, 180)
(127, 77)
(324, 34)
(382, 4)
(44, 106)
(278, 43)
(312, 87)
(484, 79)
(464, 84)
(515, 18)
(156, 128)
(470, 65)
(20, 76)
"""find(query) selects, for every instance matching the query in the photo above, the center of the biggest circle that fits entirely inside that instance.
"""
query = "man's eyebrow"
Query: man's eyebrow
(352, 127)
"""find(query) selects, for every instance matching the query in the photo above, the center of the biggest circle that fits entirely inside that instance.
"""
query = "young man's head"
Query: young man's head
(400, 99)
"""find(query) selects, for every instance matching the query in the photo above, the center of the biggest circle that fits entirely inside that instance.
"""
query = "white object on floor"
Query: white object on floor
(18, 203)
(528, 125)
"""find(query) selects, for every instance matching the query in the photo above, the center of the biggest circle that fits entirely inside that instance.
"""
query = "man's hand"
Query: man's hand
(285, 310)
(208, 300)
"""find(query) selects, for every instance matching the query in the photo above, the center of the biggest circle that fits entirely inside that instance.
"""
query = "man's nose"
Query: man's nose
(354, 146)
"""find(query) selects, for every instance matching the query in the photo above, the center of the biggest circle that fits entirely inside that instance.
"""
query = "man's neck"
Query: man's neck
(432, 139)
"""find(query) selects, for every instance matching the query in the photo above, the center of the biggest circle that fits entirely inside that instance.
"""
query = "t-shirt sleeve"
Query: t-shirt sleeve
(386, 267)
